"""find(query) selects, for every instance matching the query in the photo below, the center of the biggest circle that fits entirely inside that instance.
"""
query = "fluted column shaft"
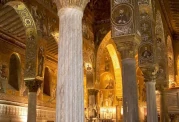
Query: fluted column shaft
(150, 73)
(151, 102)
(70, 99)
(130, 101)
(127, 46)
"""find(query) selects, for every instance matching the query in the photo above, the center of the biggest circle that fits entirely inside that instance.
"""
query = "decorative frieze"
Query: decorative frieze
(12, 110)
(16, 111)
(147, 55)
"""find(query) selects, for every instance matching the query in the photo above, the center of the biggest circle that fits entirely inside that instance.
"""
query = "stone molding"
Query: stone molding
(21, 101)
(13, 40)
(12, 110)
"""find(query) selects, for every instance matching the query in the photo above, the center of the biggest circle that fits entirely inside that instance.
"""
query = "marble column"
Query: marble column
(33, 85)
(130, 101)
(150, 75)
(70, 97)
(164, 117)
(151, 102)
(127, 49)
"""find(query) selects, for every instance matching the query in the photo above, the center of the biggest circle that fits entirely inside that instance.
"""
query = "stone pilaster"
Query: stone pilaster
(127, 48)
(33, 85)
(150, 75)
(70, 97)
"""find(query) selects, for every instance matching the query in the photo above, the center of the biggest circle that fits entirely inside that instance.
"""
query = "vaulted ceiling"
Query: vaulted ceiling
(97, 11)
(100, 9)
(12, 26)
(171, 13)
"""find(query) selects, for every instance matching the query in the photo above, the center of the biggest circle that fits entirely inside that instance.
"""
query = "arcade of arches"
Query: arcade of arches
(89, 61)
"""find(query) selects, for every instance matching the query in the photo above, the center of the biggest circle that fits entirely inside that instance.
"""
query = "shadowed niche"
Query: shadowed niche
(46, 89)
(14, 72)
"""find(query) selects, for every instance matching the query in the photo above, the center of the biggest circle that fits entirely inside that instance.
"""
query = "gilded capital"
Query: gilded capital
(127, 45)
(92, 91)
(150, 73)
(33, 84)
(80, 4)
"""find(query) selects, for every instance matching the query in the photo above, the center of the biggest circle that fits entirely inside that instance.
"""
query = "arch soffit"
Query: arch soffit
(31, 37)
(170, 58)
(25, 16)
(102, 45)
(106, 40)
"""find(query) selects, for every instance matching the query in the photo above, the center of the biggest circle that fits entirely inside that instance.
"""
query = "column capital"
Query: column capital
(33, 83)
(80, 4)
(127, 45)
(92, 91)
(150, 73)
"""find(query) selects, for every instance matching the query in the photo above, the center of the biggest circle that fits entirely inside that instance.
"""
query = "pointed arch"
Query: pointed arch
(108, 43)
(31, 37)
(15, 71)
(102, 45)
